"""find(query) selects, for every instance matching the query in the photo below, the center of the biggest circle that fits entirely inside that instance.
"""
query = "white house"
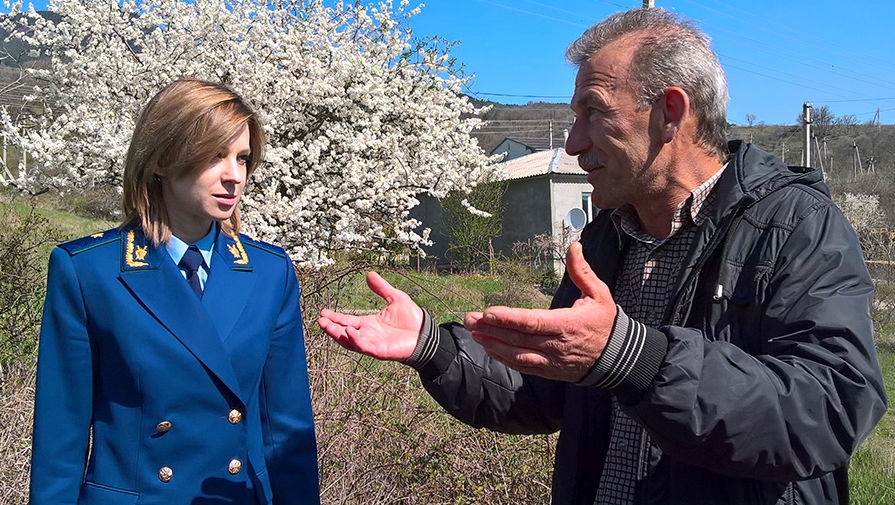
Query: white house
(544, 187)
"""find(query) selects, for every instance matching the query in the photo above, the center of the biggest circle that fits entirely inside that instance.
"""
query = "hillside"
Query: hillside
(836, 150)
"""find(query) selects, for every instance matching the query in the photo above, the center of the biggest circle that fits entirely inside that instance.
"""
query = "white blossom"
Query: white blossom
(360, 116)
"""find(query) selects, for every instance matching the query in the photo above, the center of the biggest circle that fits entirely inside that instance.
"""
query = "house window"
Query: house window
(587, 207)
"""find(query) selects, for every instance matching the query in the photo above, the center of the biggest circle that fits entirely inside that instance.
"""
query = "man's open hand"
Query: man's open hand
(560, 344)
(390, 334)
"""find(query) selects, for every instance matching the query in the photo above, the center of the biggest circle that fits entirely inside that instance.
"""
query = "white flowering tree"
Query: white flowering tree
(361, 117)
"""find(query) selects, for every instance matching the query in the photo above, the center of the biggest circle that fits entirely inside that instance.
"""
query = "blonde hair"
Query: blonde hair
(182, 127)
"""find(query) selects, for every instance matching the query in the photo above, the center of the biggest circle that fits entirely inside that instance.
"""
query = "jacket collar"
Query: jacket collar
(756, 174)
(201, 326)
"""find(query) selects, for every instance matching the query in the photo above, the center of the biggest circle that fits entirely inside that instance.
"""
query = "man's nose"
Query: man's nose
(578, 141)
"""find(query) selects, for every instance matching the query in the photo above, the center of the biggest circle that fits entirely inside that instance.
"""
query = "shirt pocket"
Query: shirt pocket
(737, 305)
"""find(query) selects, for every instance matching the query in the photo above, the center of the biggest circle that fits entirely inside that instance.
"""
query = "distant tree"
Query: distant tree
(823, 121)
(750, 119)
(470, 232)
(847, 124)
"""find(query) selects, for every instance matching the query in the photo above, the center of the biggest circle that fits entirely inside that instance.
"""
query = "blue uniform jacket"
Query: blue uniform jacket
(189, 401)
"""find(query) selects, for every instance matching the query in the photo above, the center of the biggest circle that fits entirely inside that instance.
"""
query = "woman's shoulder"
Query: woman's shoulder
(262, 246)
(91, 242)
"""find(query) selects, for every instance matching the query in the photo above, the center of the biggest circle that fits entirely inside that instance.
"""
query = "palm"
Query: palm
(391, 333)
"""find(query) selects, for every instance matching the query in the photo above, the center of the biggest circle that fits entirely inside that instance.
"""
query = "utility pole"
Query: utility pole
(820, 157)
(550, 126)
(806, 144)
(783, 154)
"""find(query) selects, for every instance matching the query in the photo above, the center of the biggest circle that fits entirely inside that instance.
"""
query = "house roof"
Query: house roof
(532, 144)
(554, 161)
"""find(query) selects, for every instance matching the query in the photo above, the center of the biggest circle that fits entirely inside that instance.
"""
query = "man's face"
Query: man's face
(610, 136)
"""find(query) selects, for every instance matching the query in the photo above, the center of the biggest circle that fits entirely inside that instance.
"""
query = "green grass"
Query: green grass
(872, 472)
(70, 225)
(446, 297)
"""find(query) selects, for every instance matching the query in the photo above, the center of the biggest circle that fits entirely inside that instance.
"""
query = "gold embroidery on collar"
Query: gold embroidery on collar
(129, 252)
(97, 235)
(239, 254)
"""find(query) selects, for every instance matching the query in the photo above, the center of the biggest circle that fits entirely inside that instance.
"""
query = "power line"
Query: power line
(824, 43)
(523, 11)
(856, 100)
(802, 59)
(567, 97)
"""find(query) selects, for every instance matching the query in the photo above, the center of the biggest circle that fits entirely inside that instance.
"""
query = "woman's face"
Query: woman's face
(197, 198)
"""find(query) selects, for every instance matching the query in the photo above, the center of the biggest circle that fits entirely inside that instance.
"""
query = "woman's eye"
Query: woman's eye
(245, 159)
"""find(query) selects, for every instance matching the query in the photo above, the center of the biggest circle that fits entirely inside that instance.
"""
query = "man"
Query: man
(711, 341)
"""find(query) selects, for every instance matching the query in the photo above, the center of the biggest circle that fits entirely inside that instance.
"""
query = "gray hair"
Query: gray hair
(671, 52)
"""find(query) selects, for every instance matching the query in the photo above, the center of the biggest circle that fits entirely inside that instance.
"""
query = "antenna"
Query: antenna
(575, 219)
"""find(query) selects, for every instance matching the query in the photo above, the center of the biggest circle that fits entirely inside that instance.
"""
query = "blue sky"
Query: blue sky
(777, 54)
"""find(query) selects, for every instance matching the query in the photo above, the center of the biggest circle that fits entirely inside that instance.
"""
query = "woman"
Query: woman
(176, 340)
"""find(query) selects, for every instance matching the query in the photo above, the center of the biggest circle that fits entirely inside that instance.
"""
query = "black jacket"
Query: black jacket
(764, 392)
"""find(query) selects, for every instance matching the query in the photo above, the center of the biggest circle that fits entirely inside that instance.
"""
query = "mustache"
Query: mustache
(588, 160)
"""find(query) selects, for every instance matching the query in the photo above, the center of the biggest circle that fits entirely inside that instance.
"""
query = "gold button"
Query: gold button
(165, 474)
(234, 416)
(234, 467)
(163, 426)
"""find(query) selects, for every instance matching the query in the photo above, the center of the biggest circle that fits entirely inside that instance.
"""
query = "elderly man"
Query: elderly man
(711, 342)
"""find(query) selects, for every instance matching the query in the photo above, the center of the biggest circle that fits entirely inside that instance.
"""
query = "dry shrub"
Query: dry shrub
(879, 250)
(16, 414)
(24, 242)
(382, 440)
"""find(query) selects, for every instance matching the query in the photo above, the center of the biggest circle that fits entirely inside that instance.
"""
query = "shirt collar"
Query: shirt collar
(695, 208)
(177, 247)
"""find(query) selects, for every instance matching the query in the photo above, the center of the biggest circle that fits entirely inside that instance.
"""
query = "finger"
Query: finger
(471, 319)
(340, 318)
(532, 321)
(345, 341)
(518, 358)
(582, 275)
(515, 338)
(381, 287)
(338, 332)
(332, 329)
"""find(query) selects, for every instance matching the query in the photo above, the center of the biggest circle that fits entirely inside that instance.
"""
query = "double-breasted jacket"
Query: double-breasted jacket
(188, 400)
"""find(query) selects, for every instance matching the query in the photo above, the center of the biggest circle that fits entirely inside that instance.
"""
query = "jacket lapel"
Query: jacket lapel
(229, 283)
(153, 278)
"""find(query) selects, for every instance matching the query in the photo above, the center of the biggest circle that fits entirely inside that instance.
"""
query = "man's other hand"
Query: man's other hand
(561, 344)
(391, 334)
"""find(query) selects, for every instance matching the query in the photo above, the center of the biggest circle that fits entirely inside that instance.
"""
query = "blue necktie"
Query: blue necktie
(191, 261)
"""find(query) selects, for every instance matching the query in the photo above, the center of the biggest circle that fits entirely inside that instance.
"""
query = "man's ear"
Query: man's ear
(674, 108)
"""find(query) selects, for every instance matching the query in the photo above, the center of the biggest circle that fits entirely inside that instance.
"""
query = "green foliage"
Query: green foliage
(547, 280)
(872, 471)
(469, 246)
(24, 243)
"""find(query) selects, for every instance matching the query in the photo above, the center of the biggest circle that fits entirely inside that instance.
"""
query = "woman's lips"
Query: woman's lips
(225, 199)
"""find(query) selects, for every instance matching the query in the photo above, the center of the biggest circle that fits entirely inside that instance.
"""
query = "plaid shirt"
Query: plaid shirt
(643, 290)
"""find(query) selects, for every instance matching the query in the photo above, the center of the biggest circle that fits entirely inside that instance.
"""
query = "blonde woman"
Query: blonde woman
(173, 339)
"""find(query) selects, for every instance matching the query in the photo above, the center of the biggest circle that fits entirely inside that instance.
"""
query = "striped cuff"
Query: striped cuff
(426, 345)
(631, 358)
